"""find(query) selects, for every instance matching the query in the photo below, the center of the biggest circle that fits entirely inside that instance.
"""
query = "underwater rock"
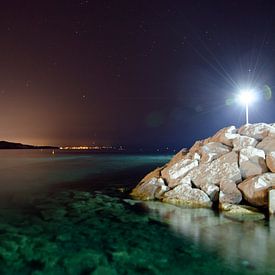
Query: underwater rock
(241, 212)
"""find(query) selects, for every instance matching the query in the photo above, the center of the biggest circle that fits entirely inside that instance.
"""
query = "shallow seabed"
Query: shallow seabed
(87, 224)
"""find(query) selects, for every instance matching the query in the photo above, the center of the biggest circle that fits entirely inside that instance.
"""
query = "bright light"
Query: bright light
(246, 97)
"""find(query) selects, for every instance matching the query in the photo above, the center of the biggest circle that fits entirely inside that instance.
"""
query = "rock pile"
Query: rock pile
(232, 167)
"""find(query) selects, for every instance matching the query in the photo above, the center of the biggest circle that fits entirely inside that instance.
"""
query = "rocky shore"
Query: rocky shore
(233, 170)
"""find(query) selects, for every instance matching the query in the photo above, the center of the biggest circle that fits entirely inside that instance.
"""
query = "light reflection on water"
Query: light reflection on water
(251, 244)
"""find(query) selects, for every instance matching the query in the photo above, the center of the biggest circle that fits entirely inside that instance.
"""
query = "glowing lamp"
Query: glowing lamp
(246, 97)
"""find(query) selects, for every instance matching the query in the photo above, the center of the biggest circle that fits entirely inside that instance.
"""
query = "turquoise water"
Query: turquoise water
(71, 214)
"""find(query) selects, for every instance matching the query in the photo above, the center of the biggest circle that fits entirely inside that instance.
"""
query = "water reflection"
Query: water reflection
(251, 244)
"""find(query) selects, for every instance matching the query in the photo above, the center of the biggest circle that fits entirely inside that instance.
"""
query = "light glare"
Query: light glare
(246, 96)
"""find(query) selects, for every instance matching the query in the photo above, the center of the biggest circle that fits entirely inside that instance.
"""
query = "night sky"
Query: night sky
(133, 73)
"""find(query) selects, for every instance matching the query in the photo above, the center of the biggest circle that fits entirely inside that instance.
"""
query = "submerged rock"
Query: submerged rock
(241, 212)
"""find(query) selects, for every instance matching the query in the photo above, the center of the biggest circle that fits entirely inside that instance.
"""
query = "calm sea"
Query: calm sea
(70, 213)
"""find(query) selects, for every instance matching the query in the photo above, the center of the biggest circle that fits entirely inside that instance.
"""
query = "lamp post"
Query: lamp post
(246, 97)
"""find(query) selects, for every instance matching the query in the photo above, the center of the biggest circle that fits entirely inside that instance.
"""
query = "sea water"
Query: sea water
(71, 213)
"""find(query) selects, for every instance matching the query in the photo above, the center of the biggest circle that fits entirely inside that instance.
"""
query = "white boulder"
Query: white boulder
(187, 196)
(225, 135)
(177, 171)
(241, 142)
(258, 130)
(252, 162)
(255, 190)
(212, 151)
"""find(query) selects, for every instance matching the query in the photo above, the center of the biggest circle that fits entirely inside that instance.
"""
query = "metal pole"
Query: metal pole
(246, 112)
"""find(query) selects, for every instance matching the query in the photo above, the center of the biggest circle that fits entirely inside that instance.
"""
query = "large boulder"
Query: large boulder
(258, 130)
(241, 142)
(152, 186)
(187, 196)
(252, 162)
(225, 135)
(229, 193)
(173, 174)
(267, 144)
(212, 151)
(255, 190)
(270, 161)
(225, 167)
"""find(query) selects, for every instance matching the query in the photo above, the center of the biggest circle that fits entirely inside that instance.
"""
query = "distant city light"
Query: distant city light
(246, 97)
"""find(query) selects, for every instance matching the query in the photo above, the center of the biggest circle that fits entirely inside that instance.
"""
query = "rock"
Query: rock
(212, 151)
(180, 169)
(160, 190)
(267, 144)
(178, 157)
(241, 142)
(255, 190)
(225, 135)
(211, 190)
(196, 147)
(229, 193)
(241, 212)
(258, 130)
(271, 201)
(150, 187)
(225, 167)
(270, 161)
(187, 196)
(252, 162)
(154, 174)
